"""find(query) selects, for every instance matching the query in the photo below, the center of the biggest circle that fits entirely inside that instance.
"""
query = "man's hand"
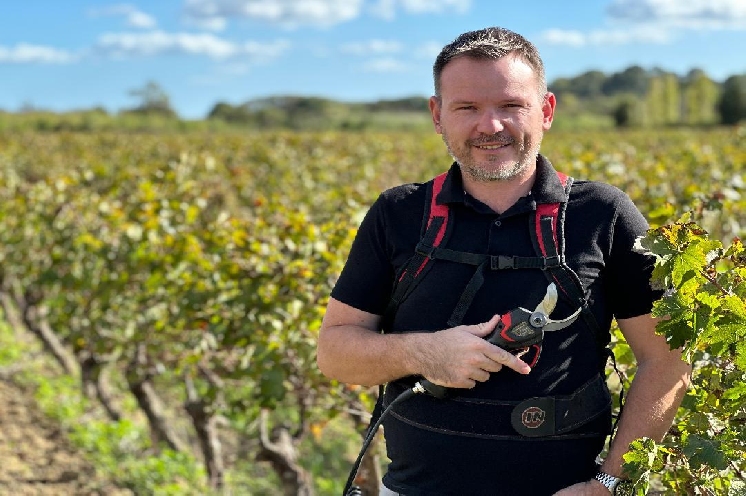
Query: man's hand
(351, 349)
(589, 488)
(460, 357)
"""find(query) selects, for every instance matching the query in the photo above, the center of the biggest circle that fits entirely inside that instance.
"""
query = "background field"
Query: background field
(162, 291)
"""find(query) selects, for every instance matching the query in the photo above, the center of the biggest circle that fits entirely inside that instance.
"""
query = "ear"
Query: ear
(547, 108)
(434, 105)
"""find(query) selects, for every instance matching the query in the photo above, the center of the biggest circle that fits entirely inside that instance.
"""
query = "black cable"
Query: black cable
(349, 490)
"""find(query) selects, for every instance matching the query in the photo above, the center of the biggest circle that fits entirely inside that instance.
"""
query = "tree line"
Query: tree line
(632, 98)
(636, 97)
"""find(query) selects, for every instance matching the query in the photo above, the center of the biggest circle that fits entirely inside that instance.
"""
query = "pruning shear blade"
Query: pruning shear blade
(540, 316)
(549, 302)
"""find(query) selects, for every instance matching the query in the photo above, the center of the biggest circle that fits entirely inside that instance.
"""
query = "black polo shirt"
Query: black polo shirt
(465, 445)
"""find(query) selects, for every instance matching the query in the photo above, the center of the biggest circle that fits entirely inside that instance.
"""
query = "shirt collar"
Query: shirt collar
(547, 187)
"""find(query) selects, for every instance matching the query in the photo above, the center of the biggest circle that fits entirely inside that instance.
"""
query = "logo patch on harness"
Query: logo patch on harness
(533, 417)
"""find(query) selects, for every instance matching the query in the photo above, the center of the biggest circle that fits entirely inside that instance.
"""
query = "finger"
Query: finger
(467, 383)
(509, 360)
(517, 364)
(492, 366)
(480, 375)
(484, 328)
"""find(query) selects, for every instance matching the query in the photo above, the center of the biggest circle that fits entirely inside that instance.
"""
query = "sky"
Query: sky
(77, 54)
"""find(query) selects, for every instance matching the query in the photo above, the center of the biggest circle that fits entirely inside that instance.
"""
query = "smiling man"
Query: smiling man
(442, 300)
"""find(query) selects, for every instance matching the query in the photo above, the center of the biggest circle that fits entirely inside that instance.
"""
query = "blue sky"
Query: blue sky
(74, 54)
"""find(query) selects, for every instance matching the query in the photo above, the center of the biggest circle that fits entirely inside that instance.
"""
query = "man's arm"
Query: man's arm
(351, 350)
(652, 401)
(656, 392)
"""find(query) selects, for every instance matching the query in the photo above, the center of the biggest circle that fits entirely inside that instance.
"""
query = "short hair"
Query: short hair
(490, 43)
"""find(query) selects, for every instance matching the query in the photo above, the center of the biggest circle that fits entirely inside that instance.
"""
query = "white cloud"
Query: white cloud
(564, 37)
(697, 14)
(140, 20)
(654, 22)
(134, 17)
(159, 42)
(372, 47)
(640, 34)
(24, 53)
(285, 13)
(386, 64)
(210, 24)
(429, 50)
(387, 9)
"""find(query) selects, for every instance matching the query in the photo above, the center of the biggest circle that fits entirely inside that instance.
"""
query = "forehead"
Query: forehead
(469, 77)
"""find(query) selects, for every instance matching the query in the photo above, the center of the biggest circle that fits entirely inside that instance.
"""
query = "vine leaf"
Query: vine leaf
(701, 451)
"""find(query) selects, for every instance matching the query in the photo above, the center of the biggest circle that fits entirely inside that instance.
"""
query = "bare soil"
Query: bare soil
(36, 458)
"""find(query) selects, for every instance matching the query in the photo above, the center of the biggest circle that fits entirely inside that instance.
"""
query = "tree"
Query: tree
(699, 98)
(732, 103)
(229, 113)
(587, 85)
(632, 80)
(623, 113)
(663, 99)
(153, 101)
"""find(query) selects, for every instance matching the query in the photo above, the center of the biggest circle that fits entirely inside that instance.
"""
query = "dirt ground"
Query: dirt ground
(35, 456)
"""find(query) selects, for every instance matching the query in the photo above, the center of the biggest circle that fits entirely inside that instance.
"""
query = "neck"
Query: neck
(500, 195)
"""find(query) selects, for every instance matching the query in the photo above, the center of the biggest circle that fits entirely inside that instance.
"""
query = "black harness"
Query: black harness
(547, 235)
(534, 417)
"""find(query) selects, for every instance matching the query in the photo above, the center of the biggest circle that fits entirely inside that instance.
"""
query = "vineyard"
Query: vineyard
(177, 284)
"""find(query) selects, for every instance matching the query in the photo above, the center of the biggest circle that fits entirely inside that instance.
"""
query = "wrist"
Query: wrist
(614, 485)
(599, 488)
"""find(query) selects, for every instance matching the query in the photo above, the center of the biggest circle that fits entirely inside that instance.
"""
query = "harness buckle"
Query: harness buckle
(499, 262)
(551, 262)
(426, 250)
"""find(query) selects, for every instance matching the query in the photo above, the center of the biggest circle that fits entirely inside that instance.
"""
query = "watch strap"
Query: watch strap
(609, 481)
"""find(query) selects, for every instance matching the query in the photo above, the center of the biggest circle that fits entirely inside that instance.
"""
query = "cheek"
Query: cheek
(459, 125)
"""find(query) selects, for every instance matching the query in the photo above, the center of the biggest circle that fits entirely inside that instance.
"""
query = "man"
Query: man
(491, 107)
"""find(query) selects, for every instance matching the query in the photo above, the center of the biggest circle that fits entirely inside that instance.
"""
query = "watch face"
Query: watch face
(624, 488)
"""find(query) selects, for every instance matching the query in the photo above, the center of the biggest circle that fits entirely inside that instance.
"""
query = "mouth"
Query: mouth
(497, 141)
(491, 147)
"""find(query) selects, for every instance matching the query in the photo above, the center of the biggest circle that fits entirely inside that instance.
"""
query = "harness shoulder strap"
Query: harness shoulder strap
(547, 234)
(435, 229)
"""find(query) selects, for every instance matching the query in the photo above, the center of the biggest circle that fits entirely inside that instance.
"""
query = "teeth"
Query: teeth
(490, 147)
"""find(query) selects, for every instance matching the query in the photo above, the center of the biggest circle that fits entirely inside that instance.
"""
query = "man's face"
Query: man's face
(491, 116)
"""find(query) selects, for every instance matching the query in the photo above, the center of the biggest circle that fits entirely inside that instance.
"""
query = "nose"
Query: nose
(490, 122)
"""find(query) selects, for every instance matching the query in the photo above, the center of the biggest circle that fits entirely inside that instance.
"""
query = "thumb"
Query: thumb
(484, 328)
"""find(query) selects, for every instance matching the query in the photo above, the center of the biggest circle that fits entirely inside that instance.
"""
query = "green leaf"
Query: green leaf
(677, 330)
(738, 390)
(701, 451)
(639, 461)
(272, 386)
(699, 422)
(736, 305)
(740, 359)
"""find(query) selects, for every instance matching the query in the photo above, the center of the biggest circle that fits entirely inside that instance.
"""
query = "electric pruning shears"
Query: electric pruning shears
(516, 332)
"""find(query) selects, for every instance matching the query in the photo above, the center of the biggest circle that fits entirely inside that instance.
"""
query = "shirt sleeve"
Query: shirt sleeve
(367, 278)
(629, 271)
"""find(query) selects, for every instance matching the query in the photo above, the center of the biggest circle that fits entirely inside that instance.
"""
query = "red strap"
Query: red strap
(549, 210)
(436, 210)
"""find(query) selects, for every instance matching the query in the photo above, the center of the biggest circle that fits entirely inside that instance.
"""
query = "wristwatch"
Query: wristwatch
(615, 485)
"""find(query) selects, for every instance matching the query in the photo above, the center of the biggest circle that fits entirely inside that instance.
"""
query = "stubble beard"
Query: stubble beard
(481, 172)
